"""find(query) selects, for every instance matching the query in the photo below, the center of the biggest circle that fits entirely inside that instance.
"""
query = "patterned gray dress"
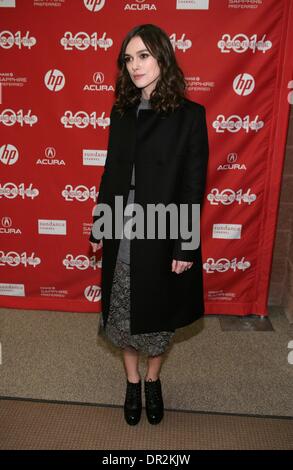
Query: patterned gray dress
(118, 324)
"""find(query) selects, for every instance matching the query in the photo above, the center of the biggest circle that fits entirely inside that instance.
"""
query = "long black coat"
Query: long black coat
(170, 153)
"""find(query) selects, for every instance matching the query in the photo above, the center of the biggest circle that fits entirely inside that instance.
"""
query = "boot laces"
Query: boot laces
(133, 390)
(153, 391)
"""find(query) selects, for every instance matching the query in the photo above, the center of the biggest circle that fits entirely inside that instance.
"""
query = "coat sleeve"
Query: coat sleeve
(100, 197)
(193, 178)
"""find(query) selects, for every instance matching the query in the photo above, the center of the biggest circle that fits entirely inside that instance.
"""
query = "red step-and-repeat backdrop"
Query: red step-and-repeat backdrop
(57, 78)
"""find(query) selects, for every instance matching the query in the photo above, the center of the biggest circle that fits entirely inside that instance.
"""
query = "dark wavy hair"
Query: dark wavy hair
(170, 87)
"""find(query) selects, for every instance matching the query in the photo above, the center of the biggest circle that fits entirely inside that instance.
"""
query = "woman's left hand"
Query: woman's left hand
(180, 266)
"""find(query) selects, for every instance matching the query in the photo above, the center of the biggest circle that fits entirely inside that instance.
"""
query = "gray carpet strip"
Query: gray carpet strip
(27, 425)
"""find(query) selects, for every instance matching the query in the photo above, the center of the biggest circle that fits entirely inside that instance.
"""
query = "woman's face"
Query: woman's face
(142, 67)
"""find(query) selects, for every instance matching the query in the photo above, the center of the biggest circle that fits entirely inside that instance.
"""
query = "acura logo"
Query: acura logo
(50, 152)
(98, 77)
(6, 222)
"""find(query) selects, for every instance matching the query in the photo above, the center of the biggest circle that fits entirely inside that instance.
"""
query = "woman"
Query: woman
(157, 154)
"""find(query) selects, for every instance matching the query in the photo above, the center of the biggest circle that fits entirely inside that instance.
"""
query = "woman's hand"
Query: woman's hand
(96, 246)
(180, 266)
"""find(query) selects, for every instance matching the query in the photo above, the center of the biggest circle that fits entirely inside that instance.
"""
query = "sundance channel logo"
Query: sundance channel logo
(192, 5)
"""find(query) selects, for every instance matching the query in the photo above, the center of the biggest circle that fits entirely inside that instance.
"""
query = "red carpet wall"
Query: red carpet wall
(57, 72)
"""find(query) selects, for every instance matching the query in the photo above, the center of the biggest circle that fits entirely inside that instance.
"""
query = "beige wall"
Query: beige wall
(281, 286)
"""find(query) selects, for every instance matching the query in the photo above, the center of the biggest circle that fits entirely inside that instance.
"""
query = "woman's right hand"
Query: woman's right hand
(96, 246)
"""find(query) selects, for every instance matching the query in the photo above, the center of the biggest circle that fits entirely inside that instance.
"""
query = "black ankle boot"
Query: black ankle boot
(132, 404)
(154, 401)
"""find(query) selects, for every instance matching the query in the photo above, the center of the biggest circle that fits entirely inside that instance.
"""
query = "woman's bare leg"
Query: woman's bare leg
(154, 367)
(131, 360)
